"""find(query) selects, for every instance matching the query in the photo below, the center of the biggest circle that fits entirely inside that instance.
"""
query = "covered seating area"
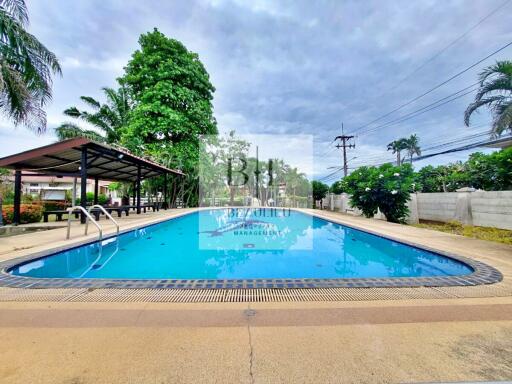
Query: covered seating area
(86, 159)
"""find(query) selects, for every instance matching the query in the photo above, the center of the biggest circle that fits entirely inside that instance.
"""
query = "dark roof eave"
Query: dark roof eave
(14, 161)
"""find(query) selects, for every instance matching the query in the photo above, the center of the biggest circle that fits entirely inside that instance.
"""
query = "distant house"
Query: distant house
(504, 142)
(55, 188)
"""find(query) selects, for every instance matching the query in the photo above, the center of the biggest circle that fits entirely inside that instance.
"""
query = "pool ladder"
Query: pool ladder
(88, 216)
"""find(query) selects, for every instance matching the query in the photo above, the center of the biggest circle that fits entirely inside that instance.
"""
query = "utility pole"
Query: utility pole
(344, 144)
(257, 174)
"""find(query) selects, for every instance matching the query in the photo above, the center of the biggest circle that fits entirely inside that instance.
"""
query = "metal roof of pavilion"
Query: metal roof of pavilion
(106, 162)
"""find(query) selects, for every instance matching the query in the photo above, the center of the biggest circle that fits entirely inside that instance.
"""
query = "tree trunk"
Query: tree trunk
(231, 195)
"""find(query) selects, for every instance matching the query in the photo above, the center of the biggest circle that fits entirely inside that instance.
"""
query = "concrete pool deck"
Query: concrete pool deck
(390, 335)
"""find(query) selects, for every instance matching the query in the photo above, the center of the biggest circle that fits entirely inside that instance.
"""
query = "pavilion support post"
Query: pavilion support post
(134, 194)
(138, 188)
(73, 196)
(164, 205)
(17, 197)
(83, 182)
(96, 190)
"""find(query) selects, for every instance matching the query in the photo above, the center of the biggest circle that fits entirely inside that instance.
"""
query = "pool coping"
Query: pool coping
(482, 274)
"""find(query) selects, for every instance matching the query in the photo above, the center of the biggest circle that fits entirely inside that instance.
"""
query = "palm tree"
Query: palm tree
(107, 118)
(397, 146)
(412, 145)
(26, 67)
(495, 93)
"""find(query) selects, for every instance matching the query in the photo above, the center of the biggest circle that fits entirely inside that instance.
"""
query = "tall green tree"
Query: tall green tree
(319, 190)
(495, 93)
(412, 146)
(26, 69)
(397, 146)
(108, 119)
(172, 97)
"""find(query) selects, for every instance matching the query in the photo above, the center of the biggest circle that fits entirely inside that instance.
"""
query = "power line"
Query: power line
(471, 137)
(434, 88)
(424, 109)
(439, 53)
(451, 44)
(382, 159)
(463, 148)
(324, 178)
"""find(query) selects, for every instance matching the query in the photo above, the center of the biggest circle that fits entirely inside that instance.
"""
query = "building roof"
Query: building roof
(504, 142)
(104, 161)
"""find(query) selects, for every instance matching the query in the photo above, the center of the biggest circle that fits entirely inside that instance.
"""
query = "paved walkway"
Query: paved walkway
(426, 341)
(386, 341)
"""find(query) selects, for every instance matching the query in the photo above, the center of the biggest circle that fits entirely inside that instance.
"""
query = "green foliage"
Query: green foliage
(109, 119)
(26, 67)
(410, 144)
(397, 146)
(495, 93)
(386, 188)
(102, 198)
(337, 188)
(172, 97)
(54, 205)
(491, 172)
(29, 213)
(319, 190)
(218, 151)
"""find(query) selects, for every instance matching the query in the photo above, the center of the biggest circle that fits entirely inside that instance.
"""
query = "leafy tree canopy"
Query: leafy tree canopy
(319, 190)
(494, 93)
(490, 172)
(337, 187)
(172, 97)
(108, 119)
(26, 68)
(172, 94)
(386, 188)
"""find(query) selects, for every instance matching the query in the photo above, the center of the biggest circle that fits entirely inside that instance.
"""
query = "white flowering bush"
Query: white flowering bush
(386, 188)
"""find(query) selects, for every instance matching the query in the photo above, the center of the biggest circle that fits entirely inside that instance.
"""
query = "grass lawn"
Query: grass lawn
(482, 233)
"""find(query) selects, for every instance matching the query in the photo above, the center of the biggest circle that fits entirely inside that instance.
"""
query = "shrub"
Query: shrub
(337, 187)
(54, 205)
(386, 188)
(29, 213)
(102, 198)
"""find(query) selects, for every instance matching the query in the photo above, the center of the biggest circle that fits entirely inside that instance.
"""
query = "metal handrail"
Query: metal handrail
(106, 214)
(88, 215)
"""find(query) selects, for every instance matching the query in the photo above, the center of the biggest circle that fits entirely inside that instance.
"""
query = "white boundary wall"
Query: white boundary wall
(467, 206)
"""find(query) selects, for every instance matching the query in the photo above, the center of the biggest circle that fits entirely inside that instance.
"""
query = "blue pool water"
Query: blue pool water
(244, 244)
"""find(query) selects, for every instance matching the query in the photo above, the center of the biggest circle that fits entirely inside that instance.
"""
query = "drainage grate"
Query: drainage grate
(39, 295)
(250, 295)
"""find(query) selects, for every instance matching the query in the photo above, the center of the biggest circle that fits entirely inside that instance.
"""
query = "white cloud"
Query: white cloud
(114, 65)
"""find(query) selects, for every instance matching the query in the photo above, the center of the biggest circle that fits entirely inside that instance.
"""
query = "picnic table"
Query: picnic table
(96, 212)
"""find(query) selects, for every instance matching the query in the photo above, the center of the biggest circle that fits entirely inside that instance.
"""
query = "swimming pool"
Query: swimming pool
(261, 246)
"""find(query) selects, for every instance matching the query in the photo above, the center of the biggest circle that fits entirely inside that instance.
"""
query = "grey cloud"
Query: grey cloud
(288, 67)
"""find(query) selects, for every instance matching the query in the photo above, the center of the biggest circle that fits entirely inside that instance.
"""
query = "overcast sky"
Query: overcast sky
(287, 67)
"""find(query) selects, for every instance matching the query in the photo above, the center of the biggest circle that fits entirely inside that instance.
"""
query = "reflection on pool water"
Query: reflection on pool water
(244, 244)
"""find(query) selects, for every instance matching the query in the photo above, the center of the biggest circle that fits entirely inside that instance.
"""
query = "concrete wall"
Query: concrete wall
(436, 206)
(481, 208)
(492, 209)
